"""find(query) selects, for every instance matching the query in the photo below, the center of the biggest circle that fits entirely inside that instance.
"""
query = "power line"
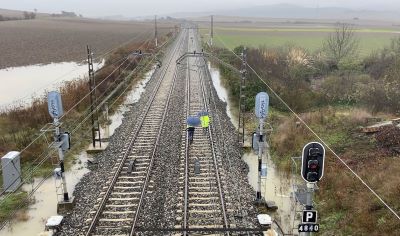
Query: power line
(30, 174)
(316, 135)
(50, 152)
(43, 133)
(80, 62)
(126, 58)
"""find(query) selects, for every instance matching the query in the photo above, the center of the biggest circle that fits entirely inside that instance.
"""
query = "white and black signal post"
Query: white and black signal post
(261, 110)
(312, 170)
(62, 141)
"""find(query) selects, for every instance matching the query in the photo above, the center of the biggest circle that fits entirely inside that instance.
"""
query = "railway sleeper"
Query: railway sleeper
(216, 222)
(112, 223)
(126, 188)
(136, 178)
(137, 168)
(124, 195)
(199, 183)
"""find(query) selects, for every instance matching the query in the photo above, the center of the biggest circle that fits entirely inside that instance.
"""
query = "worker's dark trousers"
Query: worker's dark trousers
(190, 136)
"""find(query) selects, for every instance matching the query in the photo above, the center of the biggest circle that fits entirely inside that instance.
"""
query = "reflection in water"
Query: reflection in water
(45, 197)
(221, 91)
(45, 204)
(132, 97)
(275, 187)
(20, 84)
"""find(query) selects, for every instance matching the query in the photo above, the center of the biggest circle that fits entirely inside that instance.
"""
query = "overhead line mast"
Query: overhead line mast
(212, 30)
(155, 30)
(242, 99)
(93, 100)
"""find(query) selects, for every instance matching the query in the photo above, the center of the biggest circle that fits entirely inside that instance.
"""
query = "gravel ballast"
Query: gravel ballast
(160, 206)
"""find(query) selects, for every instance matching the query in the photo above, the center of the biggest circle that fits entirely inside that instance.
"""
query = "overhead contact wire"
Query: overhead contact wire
(316, 135)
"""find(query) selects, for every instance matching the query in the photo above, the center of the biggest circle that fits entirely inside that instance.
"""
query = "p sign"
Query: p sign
(309, 217)
(262, 103)
(54, 104)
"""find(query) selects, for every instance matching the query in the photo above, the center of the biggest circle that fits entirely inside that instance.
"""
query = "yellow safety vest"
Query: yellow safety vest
(205, 121)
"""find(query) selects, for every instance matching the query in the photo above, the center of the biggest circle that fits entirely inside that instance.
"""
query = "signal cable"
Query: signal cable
(43, 133)
(315, 134)
(83, 61)
(51, 152)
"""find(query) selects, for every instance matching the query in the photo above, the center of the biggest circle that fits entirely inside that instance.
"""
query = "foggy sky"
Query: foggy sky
(130, 8)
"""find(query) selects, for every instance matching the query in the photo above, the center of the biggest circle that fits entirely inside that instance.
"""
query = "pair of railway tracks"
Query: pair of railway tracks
(203, 202)
(119, 206)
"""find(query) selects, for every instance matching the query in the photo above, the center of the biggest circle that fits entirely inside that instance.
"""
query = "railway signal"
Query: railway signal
(312, 170)
(62, 140)
(261, 110)
(312, 162)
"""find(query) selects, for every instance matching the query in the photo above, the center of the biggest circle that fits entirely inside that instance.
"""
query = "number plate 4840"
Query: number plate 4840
(308, 227)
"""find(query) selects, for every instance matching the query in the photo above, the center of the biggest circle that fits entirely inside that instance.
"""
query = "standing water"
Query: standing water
(222, 92)
(45, 204)
(45, 201)
(276, 186)
(20, 84)
(132, 97)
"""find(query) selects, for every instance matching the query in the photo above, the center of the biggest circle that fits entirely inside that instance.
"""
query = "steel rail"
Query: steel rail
(236, 184)
(210, 134)
(127, 152)
(133, 229)
(185, 228)
(185, 213)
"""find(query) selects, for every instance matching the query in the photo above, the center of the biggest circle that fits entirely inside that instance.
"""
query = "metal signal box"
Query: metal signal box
(11, 167)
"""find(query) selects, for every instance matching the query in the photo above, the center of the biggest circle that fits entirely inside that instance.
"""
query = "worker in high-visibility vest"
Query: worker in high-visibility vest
(190, 130)
(205, 122)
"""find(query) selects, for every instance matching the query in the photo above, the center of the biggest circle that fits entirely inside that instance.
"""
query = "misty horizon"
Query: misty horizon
(122, 7)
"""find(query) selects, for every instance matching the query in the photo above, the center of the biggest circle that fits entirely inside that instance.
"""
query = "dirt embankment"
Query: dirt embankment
(27, 42)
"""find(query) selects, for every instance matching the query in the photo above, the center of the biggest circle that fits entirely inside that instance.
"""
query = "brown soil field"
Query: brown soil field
(42, 41)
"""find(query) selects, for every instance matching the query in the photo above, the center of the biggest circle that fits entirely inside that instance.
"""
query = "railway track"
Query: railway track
(118, 207)
(203, 205)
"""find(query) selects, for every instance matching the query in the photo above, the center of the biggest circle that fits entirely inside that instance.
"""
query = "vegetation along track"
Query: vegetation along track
(203, 205)
(118, 209)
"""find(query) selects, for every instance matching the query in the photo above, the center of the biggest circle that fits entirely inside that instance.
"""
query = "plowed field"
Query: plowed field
(27, 42)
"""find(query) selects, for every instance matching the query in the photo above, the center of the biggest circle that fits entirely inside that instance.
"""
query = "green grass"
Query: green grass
(311, 39)
(331, 220)
(11, 203)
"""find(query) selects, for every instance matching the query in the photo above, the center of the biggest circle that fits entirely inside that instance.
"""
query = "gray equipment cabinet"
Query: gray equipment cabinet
(11, 167)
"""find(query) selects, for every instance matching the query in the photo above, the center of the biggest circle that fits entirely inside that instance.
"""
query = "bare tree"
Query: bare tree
(341, 44)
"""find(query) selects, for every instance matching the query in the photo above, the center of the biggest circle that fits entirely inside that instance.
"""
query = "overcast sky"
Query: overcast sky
(95, 8)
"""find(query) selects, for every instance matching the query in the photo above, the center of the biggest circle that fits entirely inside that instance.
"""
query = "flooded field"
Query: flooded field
(20, 84)
(46, 198)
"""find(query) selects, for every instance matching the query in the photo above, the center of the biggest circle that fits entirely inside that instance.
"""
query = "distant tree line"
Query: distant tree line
(29, 15)
(6, 18)
(66, 14)
(26, 16)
